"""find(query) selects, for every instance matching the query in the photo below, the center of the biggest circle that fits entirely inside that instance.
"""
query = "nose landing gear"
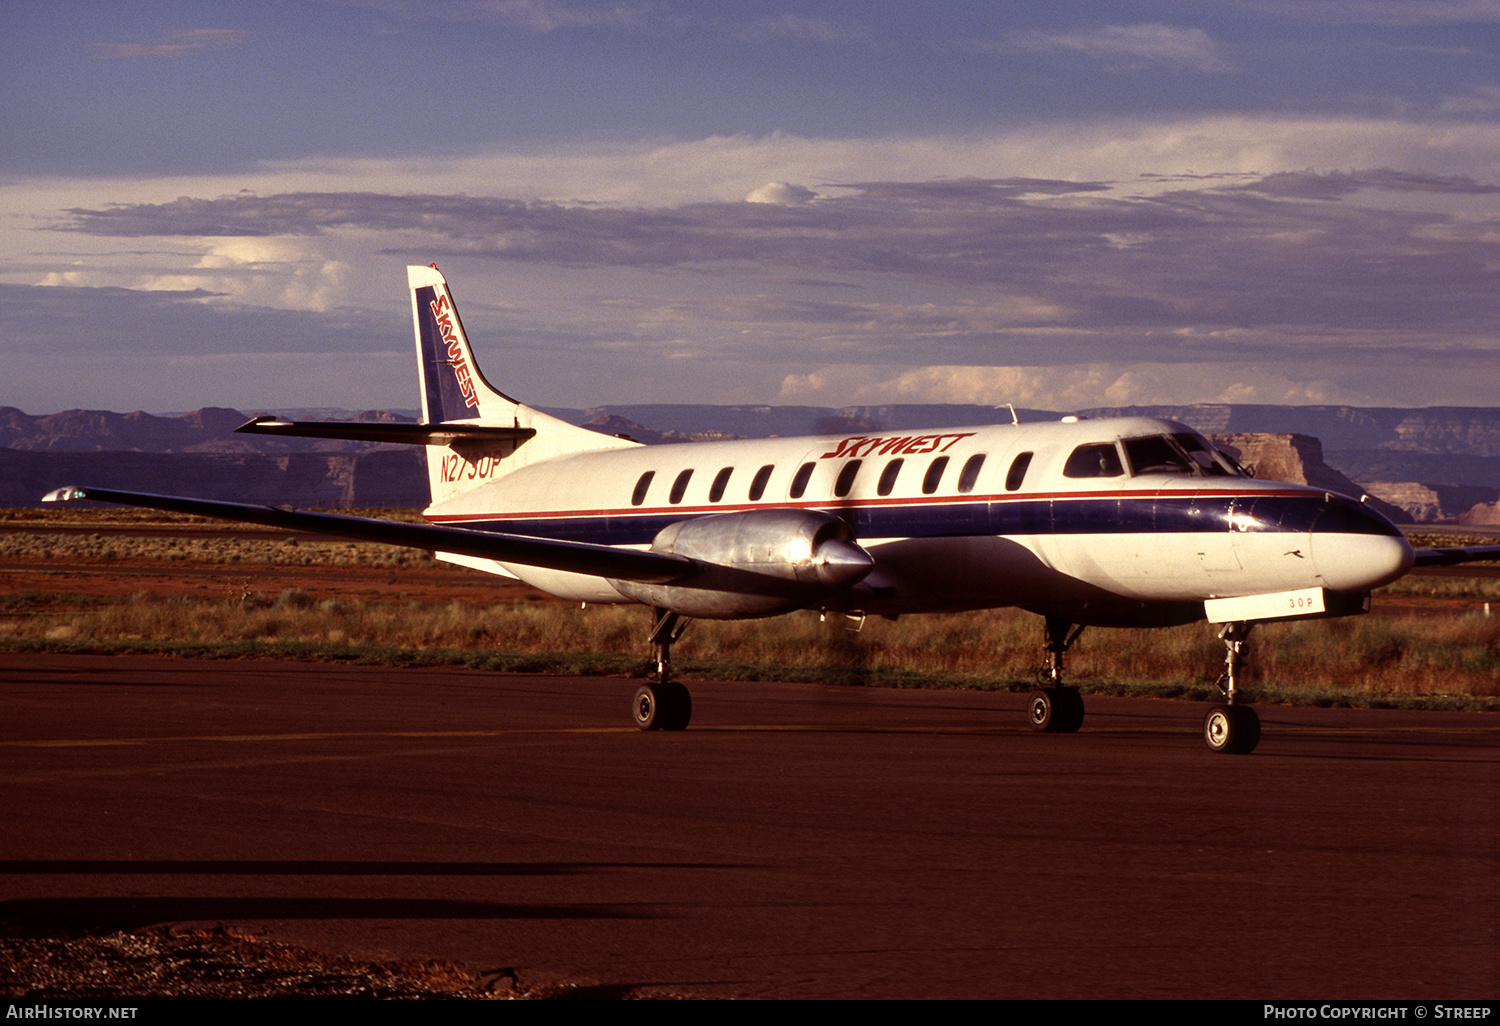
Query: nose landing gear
(1055, 709)
(1232, 728)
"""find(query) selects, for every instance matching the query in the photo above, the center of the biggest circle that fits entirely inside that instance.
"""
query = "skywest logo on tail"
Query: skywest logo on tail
(441, 312)
(1120, 522)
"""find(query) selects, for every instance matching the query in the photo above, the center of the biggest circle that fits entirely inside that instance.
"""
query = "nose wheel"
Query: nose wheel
(1232, 728)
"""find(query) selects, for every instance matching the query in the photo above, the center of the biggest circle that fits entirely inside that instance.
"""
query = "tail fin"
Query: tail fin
(455, 392)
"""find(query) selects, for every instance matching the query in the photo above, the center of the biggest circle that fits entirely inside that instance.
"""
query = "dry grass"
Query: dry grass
(1452, 651)
(1413, 655)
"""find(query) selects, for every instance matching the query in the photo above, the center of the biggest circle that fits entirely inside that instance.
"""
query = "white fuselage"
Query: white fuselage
(1126, 520)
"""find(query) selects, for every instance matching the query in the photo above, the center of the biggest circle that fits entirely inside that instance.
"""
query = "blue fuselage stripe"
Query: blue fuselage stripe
(1098, 514)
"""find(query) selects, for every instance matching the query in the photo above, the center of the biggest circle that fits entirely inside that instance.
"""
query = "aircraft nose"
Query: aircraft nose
(1371, 555)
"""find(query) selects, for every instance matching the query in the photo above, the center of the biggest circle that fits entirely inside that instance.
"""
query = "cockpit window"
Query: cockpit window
(1206, 459)
(1097, 459)
(1155, 454)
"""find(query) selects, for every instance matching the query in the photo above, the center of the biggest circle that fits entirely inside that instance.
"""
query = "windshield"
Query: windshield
(1206, 459)
(1156, 454)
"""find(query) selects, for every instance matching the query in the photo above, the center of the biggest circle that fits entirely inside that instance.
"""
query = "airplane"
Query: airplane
(1121, 522)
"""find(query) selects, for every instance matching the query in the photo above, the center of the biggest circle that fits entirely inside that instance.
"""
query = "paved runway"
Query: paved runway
(799, 841)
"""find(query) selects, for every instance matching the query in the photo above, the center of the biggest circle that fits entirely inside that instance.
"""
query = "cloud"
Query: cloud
(1338, 184)
(1130, 47)
(556, 15)
(1170, 268)
(1195, 244)
(1078, 387)
(1484, 99)
(1389, 13)
(179, 44)
(781, 194)
(798, 28)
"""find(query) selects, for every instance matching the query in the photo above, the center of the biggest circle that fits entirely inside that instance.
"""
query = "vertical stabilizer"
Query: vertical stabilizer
(455, 392)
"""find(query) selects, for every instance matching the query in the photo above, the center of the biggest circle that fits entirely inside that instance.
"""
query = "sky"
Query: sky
(1056, 205)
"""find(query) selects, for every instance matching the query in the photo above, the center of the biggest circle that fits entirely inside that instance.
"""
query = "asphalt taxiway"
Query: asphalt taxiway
(797, 841)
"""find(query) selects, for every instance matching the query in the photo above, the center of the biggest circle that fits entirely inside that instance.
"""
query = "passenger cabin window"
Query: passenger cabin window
(969, 476)
(888, 477)
(759, 481)
(934, 475)
(799, 481)
(679, 487)
(1099, 459)
(639, 495)
(1017, 472)
(721, 482)
(846, 477)
(1155, 454)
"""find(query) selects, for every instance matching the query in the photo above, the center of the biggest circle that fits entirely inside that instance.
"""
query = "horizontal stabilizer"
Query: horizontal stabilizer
(402, 434)
(572, 557)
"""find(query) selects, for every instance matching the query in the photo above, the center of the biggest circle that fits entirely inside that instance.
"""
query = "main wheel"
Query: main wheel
(666, 706)
(1233, 729)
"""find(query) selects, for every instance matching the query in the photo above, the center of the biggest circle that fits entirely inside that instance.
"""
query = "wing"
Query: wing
(574, 557)
(1458, 554)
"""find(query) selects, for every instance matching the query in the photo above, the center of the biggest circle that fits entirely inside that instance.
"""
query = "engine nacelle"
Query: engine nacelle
(757, 562)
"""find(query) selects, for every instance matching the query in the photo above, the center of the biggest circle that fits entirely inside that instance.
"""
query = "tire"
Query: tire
(1231, 729)
(666, 706)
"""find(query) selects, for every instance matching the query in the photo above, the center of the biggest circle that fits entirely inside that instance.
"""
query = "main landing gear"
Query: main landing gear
(1056, 709)
(664, 704)
(1231, 727)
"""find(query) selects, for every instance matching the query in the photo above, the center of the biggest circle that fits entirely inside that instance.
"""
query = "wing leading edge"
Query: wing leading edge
(573, 557)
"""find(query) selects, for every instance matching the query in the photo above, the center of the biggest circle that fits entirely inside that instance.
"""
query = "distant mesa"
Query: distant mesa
(1439, 464)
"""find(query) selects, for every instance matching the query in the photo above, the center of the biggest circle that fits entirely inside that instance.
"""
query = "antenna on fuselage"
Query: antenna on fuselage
(1013, 418)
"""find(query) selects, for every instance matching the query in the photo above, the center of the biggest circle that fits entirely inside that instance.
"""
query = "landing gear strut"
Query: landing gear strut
(663, 704)
(1231, 727)
(1054, 708)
